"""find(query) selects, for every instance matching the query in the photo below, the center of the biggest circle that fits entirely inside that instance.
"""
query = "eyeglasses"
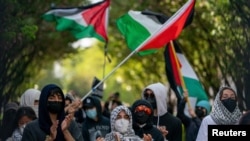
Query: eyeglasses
(149, 95)
(143, 108)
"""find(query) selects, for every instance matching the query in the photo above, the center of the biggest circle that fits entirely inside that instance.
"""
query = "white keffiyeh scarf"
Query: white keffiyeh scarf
(220, 114)
(129, 134)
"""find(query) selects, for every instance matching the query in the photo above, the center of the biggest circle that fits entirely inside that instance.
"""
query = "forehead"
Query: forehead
(55, 94)
(148, 90)
(122, 113)
(141, 105)
(24, 119)
(228, 92)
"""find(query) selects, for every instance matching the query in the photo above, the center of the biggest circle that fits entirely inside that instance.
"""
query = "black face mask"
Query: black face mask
(152, 101)
(54, 107)
(229, 103)
(141, 117)
(199, 113)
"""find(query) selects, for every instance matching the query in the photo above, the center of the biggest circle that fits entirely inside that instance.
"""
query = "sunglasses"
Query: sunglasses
(143, 108)
(147, 95)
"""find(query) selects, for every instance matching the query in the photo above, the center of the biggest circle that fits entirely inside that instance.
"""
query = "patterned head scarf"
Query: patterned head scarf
(220, 114)
(114, 113)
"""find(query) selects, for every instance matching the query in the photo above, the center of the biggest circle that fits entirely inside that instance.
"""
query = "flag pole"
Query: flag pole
(178, 67)
(106, 42)
(121, 63)
(108, 75)
(181, 78)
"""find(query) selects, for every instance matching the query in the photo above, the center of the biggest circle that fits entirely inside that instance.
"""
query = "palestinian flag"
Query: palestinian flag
(145, 32)
(82, 22)
(179, 68)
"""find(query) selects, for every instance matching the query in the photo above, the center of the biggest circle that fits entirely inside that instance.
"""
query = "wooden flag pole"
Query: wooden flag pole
(181, 78)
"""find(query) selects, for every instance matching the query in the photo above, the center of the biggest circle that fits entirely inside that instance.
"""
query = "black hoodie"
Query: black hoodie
(91, 128)
(38, 129)
(148, 128)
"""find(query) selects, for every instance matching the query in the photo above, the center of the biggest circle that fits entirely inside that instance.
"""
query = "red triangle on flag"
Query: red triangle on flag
(96, 17)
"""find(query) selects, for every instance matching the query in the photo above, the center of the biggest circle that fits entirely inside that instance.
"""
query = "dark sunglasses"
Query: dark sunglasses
(146, 95)
(143, 108)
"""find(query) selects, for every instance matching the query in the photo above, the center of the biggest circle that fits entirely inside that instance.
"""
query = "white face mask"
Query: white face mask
(21, 128)
(35, 108)
(121, 125)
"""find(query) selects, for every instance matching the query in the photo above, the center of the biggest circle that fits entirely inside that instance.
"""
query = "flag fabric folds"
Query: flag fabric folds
(145, 32)
(186, 72)
(82, 22)
(172, 66)
(97, 91)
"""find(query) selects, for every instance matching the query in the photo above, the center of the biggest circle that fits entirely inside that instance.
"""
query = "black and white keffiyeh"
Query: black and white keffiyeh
(220, 114)
(129, 134)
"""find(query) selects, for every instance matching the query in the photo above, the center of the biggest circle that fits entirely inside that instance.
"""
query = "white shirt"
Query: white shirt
(203, 131)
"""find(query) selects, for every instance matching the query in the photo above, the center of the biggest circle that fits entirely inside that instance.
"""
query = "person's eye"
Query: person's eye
(118, 117)
(126, 117)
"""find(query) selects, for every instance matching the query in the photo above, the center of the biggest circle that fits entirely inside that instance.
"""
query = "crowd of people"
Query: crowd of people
(51, 115)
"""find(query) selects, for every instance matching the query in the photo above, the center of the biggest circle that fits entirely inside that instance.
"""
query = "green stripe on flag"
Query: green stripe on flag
(130, 29)
(195, 89)
(78, 31)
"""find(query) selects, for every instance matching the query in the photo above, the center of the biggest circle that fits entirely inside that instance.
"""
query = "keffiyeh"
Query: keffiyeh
(220, 114)
(129, 134)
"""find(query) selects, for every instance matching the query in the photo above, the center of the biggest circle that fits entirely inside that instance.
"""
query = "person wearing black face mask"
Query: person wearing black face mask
(168, 124)
(202, 108)
(52, 123)
(200, 113)
(225, 112)
(142, 113)
(193, 121)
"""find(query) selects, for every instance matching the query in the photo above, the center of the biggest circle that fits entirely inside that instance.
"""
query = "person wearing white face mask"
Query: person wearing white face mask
(121, 126)
(95, 125)
(23, 116)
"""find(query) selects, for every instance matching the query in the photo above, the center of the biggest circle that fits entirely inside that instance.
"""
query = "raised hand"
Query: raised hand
(73, 107)
(117, 136)
(100, 139)
(53, 129)
(147, 137)
(66, 122)
(163, 130)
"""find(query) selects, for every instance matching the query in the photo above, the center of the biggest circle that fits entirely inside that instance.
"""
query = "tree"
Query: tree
(25, 47)
(216, 44)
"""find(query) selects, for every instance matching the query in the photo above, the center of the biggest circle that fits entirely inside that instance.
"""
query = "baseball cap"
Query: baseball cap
(88, 103)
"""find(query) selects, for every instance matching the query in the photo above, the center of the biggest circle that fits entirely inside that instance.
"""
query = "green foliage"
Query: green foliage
(216, 44)
(29, 31)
